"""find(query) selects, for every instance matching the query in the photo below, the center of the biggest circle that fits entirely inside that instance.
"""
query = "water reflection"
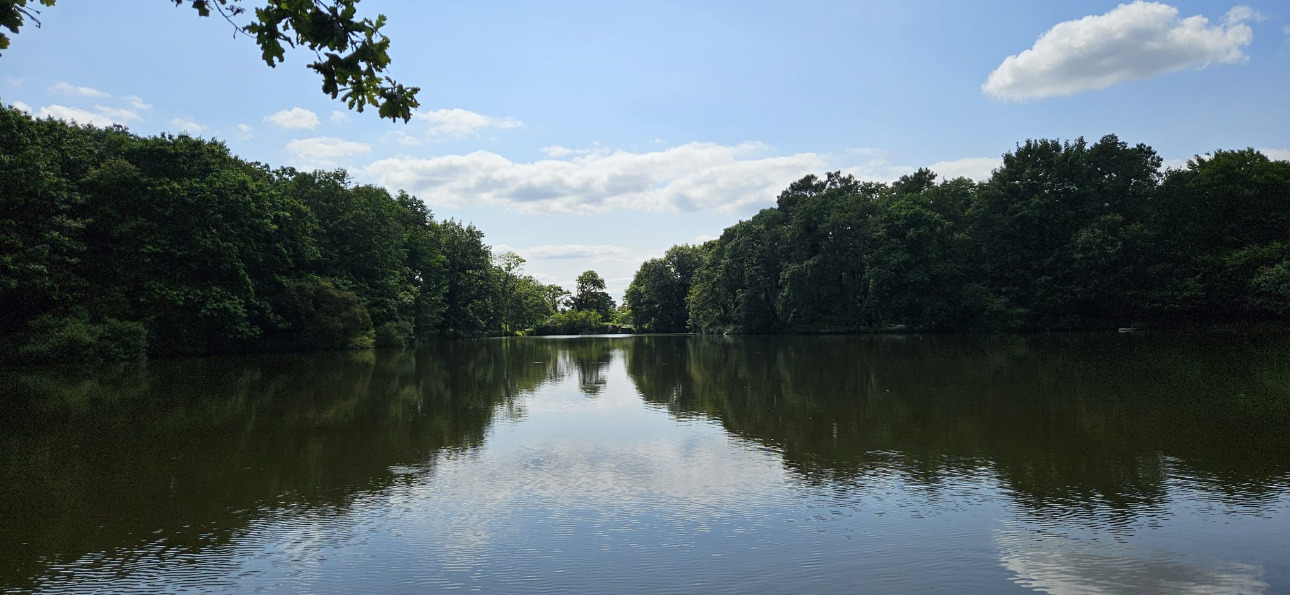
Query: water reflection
(1065, 421)
(1059, 463)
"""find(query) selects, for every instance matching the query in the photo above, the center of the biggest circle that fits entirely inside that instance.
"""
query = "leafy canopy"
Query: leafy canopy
(351, 54)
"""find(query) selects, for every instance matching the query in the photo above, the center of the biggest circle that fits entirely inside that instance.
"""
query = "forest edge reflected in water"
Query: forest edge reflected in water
(1098, 430)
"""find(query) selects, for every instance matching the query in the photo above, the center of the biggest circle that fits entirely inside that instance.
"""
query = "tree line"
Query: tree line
(1064, 235)
(114, 246)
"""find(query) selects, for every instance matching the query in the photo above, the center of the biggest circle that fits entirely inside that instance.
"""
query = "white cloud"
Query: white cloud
(696, 176)
(186, 125)
(691, 177)
(338, 116)
(1132, 41)
(80, 116)
(21, 106)
(556, 151)
(136, 103)
(244, 132)
(976, 168)
(457, 123)
(599, 252)
(323, 152)
(296, 117)
(68, 89)
(1277, 154)
(117, 114)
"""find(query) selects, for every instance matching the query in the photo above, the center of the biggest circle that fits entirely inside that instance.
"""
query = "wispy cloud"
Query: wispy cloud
(451, 124)
(975, 168)
(601, 252)
(1132, 41)
(75, 91)
(136, 103)
(187, 125)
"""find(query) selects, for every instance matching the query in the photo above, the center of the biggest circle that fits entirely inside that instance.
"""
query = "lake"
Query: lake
(1089, 463)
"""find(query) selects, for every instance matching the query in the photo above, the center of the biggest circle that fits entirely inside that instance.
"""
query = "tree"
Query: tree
(657, 294)
(351, 54)
(591, 296)
(556, 297)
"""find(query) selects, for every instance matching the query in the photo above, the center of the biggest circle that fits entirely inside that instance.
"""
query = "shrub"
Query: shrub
(573, 322)
(323, 316)
(76, 339)
(394, 334)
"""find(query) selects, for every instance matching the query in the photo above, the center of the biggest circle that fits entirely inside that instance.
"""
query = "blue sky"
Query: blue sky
(596, 135)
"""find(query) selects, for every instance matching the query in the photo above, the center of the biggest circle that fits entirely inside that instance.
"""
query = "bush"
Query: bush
(77, 340)
(394, 334)
(323, 316)
(573, 322)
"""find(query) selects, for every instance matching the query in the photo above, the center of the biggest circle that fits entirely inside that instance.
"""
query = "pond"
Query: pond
(1136, 462)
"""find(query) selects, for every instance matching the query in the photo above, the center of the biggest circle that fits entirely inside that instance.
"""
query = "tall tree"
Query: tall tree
(591, 296)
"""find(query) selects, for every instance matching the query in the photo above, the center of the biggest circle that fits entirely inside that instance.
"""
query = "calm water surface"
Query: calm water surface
(1057, 463)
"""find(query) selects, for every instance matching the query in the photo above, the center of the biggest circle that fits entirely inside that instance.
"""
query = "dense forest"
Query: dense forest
(1064, 235)
(115, 246)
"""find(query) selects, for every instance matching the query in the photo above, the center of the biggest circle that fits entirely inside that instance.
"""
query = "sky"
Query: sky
(595, 135)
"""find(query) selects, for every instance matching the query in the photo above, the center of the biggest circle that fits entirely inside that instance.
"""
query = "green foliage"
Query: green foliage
(655, 299)
(209, 253)
(352, 53)
(321, 316)
(1063, 235)
(573, 322)
(13, 13)
(394, 334)
(590, 295)
(53, 339)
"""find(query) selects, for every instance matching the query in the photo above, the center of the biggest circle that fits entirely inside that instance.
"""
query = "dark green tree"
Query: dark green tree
(591, 296)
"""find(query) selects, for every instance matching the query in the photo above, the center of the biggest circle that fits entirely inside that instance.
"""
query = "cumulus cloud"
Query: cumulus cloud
(976, 168)
(21, 106)
(695, 176)
(690, 177)
(323, 152)
(296, 117)
(457, 123)
(1131, 42)
(101, 116)
(244, 132)
(187, 125)
(338, 116)
(1277, 154)
(75, 91)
